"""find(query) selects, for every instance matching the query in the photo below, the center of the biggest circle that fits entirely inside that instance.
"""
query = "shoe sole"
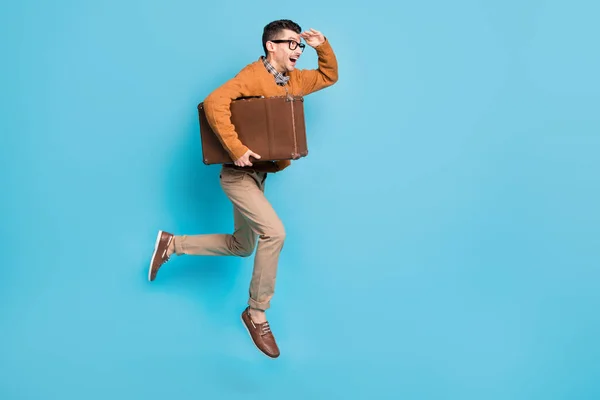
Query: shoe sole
(252, 339)
(154, 255)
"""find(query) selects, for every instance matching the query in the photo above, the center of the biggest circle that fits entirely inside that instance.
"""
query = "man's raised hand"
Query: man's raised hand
(312, 37)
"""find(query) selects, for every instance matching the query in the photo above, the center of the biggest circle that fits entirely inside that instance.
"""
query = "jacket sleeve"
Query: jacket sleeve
(325, 75)
(218, 113)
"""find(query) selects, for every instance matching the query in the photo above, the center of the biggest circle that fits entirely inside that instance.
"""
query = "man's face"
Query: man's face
(282, 57)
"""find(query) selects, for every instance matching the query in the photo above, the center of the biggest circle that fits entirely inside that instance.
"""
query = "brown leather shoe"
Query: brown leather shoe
(160, 256)
(261, 335)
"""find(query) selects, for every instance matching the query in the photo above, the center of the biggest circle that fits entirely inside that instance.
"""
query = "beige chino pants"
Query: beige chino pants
(254, 220)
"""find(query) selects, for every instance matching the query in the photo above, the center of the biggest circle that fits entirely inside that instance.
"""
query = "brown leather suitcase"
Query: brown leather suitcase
(272, 127)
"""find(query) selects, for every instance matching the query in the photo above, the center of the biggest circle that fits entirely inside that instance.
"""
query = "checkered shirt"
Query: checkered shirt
(280, 79)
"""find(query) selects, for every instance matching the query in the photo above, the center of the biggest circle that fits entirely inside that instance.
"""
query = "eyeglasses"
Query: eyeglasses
(292, 43)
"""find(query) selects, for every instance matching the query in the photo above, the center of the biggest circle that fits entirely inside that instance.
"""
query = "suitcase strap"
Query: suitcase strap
(295, 154)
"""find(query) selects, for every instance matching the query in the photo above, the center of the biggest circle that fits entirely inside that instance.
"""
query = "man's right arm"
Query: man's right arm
(218, 113)
(327, 73)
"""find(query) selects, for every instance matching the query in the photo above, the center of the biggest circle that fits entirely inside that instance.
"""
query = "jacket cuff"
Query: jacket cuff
(235, 152)
(324, 46)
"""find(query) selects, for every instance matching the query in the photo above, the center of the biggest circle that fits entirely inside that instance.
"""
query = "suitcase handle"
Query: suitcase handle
(249, 97)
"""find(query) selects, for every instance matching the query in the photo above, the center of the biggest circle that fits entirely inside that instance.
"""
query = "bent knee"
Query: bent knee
(241, 248)
(274, 234)
(244, 252)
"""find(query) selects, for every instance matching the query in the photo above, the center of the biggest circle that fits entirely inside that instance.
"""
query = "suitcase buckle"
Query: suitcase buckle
(292, 98)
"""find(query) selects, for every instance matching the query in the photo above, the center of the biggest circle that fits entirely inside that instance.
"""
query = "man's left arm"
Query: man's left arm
(327, 72)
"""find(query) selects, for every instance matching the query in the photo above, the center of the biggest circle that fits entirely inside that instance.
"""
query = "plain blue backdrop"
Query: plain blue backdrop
(443, 233)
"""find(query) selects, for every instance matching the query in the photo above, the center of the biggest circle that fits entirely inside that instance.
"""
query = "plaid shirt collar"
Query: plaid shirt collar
(280, 79)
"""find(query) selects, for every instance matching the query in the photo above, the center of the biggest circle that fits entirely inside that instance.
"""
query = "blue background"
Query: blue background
(443, 233)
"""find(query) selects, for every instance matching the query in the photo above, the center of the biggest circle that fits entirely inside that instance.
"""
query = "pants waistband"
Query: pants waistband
(256, 174)
(248, 169)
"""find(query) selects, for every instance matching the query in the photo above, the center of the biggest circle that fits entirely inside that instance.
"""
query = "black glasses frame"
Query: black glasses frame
(292, 43)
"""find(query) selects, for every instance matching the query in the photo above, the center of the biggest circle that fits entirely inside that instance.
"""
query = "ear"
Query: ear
(270, 46)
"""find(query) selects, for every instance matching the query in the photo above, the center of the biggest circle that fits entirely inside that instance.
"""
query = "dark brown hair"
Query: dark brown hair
(272, 29)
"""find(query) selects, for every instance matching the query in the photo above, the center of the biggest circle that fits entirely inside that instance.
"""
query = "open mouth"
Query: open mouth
(293, 60)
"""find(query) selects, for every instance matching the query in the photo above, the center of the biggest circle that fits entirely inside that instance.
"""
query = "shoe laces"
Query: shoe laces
(165, 256)
(265, 328)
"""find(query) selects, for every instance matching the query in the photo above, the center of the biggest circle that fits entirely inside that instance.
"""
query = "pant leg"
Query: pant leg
(241, 243)
(246, 191)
